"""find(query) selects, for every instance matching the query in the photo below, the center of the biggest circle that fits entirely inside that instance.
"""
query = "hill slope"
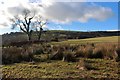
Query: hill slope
(90, 40)
(52, 35)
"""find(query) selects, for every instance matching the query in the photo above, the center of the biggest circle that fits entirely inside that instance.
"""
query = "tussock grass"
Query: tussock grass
(58, 52)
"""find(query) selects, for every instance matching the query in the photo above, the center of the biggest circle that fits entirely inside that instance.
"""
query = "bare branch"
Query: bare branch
(22, 29)
(26, 19)
(44, 23)
(24, 25)
(39, 26)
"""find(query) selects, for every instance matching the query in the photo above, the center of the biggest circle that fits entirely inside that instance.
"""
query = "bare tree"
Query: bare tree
(23, 22)
(40, 22)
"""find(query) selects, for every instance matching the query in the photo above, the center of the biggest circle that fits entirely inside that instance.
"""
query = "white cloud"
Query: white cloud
(74, 11)
(57, 27)
(113, 30)
(4, 14)
(59, 12)
(6, 4)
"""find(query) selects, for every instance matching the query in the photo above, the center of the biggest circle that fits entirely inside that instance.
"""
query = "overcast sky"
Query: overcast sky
(79, 16)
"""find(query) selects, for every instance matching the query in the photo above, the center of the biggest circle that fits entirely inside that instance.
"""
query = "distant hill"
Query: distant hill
(54, 35)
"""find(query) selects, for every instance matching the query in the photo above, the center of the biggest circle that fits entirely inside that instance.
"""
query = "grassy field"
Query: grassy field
(90, 40)
(58, 69)
(94, 68)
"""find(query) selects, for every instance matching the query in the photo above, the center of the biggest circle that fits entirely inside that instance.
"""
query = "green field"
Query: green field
(90, 40)
(97, 68)
(59, 69)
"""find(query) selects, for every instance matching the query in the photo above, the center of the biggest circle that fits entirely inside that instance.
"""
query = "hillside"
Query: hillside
(92, 61)
(90, 40)
(52, 35)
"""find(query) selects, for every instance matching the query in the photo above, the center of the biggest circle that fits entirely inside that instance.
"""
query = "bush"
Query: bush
(84, 65)
(69, 57)
(37, 49)
(80, 53)
(41, 58)
(15, 55)
(57, 55)
(98, 53)
(37, 52)
(60, 52)
(118, 54)
(105, 51)
(87, 51)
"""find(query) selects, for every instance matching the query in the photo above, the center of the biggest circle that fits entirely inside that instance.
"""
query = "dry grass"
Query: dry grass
(88, 60)
(15, 55)
(57, 52)
(85, 68)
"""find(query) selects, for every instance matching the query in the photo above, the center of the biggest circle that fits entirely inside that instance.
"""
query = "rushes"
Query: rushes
(63, 52)
(69, 56)
(15, 55)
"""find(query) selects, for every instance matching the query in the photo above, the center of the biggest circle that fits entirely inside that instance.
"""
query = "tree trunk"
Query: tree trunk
(29, 37)
(39, 36)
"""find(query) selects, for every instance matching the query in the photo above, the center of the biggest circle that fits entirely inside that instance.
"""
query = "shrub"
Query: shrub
(81, 65)
(66, 52)
(37, 52)
(109, 51)
(84, 51)
(56, 47)
(118, 54)
(41, 58)
(80, 53)
(88, 51)
(72, 47)
(98, 53)
(15, 55)
(38, 49)
(57, 55)
(69, 56)
(105, 50)
(11, 55)
(84, 65)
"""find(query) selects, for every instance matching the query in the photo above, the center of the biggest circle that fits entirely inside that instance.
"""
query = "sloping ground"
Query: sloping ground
(99, 69)
(52, 35)
(96, 68)
(90, 40)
